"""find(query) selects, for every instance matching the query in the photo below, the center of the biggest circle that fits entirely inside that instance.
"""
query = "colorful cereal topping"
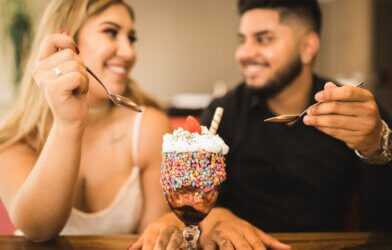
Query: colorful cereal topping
(200, 170)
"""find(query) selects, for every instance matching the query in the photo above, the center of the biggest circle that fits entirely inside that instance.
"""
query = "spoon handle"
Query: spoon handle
(96, 78)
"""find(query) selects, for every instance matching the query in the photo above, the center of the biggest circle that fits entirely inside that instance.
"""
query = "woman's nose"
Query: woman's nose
(126, 50)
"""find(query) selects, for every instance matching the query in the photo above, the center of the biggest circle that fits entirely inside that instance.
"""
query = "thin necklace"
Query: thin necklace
(98, 110)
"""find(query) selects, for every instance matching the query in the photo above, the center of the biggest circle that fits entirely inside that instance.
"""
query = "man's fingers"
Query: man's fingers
(238, 240)
(342, 108)
(334, 121)
(345, 93)
(271, 242)
(254, 240)
(53, 43)
(349, 137)
(216, 241)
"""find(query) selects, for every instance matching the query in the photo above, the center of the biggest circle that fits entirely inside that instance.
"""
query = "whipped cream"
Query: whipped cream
(184, 141)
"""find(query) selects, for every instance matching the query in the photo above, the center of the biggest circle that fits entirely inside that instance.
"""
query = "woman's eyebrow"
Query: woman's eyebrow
(111, 23)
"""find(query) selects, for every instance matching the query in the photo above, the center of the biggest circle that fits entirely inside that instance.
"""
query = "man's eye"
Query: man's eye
(111, 32)
(264, 39)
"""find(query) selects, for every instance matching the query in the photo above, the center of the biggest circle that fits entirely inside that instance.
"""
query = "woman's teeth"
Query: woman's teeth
(117, 69)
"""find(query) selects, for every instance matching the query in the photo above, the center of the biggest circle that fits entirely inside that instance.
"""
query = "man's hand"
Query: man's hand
(227, 231)
(349, 114)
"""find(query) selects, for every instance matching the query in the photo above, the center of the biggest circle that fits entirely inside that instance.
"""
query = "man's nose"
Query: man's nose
(247, 50)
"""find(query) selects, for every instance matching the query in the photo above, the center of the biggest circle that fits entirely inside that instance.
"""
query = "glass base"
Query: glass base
(191, 235)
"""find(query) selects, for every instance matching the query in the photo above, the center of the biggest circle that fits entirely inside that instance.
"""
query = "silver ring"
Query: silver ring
(57, 71)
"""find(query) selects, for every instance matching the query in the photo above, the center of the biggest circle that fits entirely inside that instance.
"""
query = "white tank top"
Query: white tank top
(122, 216)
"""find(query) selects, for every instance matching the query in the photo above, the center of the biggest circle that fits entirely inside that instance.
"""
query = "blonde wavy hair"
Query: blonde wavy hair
(30, 119)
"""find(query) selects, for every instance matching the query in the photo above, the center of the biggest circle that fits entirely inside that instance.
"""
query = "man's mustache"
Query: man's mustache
(253, 62)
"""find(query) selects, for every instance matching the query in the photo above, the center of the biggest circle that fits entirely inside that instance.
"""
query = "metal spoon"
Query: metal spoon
(117, 99)
(295, 117)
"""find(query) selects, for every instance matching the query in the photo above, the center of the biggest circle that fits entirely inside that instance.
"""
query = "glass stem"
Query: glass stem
(191, 234)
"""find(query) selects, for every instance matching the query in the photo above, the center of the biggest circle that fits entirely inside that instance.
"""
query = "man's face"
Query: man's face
(268, 54)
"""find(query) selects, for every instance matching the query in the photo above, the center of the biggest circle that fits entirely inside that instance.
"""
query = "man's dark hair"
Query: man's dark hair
(308, 10)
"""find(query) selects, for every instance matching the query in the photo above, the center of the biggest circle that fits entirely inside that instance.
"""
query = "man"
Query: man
(294, 177)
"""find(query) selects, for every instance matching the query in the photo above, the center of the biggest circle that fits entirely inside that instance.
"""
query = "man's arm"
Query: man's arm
(353, 116)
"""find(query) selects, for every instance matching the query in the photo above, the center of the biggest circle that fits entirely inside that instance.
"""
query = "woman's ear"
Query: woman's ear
(310, 44)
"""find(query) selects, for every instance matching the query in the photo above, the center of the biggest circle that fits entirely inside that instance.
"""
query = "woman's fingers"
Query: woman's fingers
(165, 236)
(52, 43)
(70, 82)
(175, 241)
(59, 71)
(149, 240)
(138, 244)
(59, 57)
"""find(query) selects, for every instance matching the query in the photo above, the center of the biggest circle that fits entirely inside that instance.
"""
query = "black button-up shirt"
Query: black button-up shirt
(291, 178)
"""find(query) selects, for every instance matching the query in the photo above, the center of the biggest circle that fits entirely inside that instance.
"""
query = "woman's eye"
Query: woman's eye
(111, 32)
(132, 38)
(241, 40)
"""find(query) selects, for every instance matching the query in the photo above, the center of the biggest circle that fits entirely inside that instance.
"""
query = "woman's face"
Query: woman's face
(106, 47)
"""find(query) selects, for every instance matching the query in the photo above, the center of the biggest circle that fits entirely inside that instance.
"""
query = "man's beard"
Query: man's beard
(282, 79)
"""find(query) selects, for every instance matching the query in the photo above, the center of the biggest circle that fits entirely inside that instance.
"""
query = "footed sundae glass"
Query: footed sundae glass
(192, 169)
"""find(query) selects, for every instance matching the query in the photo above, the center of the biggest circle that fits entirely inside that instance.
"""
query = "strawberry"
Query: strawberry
(192, 125)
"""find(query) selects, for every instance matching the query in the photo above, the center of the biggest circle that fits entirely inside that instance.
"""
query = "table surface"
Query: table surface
(303, 241)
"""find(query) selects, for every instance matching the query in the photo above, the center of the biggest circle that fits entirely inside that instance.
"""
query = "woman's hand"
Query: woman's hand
(227, 231)
(164, 233)
(61, 74)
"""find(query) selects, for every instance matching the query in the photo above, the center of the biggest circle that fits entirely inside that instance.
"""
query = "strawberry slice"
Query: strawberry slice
(192, 125)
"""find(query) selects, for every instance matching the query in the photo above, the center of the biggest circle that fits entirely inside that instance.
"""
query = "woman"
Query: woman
(70, 161)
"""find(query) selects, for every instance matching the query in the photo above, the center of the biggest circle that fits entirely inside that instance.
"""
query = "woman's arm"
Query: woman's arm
(38, 191)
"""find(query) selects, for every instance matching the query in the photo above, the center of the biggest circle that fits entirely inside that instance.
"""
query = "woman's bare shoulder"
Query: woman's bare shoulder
(156, 120)
(155, 124)
(16, 154)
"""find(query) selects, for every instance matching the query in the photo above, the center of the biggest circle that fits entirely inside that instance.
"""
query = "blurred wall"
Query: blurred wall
(185, 45)
(6, 69)
(347, 41)
(188, 45)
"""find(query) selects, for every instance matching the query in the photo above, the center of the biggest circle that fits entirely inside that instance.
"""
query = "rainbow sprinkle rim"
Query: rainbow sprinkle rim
(200, 170)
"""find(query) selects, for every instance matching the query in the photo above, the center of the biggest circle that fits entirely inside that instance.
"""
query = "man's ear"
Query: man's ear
(310, 44)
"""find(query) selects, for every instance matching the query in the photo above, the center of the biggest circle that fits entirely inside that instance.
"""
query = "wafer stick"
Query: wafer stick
(216, 120)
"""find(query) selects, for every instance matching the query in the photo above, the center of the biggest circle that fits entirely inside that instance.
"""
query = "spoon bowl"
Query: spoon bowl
(117, 99)
(295, 117)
